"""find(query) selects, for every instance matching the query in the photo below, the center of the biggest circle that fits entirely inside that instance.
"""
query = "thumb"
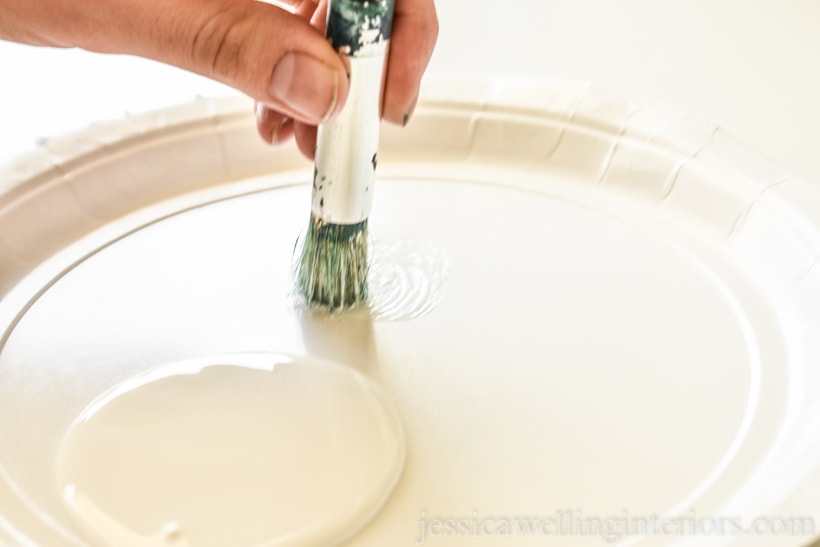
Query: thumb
(274, 56)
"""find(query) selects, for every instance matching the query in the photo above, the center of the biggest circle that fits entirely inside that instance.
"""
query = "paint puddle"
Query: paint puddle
(242, 450)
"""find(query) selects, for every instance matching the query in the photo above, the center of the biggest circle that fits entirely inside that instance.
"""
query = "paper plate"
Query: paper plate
(593, 321)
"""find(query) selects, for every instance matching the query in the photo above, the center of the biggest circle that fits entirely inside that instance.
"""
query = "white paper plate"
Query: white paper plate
(587, 312)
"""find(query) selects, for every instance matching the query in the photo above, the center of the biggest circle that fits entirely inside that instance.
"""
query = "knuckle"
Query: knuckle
(217, 44)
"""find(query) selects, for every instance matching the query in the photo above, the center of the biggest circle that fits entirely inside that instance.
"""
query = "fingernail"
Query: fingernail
(260, 113)
(305, 85)
(409, 112)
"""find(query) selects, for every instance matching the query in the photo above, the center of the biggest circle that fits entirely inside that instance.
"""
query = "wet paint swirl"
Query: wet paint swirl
(405, 279)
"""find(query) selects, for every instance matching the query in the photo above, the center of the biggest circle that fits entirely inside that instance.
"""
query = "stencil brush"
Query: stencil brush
(333, 262)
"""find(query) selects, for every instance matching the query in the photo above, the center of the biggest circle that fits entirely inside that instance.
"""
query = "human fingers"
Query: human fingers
(274, 127)
(415, 30)
(272, 55)
(306, 139)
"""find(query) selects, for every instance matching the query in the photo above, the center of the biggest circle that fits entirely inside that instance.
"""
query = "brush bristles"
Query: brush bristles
(332, 267)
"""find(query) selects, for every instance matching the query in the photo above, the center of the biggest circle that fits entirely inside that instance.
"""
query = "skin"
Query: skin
(280, 59)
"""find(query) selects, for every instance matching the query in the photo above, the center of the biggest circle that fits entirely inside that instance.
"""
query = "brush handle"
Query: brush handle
(347, 146)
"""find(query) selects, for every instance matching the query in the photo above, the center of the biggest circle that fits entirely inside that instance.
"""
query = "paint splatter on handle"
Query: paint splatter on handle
(353, 26)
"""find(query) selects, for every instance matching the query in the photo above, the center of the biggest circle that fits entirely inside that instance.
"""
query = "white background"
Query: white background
(753, 66)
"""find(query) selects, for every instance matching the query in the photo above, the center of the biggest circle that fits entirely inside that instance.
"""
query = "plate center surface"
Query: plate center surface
(570, 359)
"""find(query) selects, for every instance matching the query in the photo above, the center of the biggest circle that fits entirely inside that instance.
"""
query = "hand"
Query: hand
(415, 29)
(280, 59)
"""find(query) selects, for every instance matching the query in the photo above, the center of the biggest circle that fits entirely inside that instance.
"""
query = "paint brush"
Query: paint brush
(332, 266)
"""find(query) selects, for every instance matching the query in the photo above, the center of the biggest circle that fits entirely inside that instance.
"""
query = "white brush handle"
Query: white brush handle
(347, 146)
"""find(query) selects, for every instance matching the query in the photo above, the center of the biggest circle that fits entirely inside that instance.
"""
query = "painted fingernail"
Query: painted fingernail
(409, 112)
(306, 86)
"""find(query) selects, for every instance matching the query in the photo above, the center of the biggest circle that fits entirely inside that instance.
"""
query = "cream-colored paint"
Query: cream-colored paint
(246, 450)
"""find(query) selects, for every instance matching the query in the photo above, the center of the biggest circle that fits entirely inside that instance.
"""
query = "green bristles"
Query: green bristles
(332, 267)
